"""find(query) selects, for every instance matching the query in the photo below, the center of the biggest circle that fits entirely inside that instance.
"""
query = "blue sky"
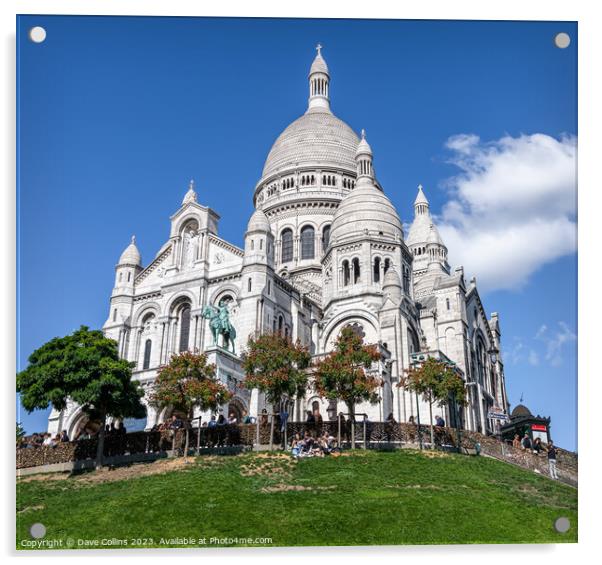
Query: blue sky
(117, 114)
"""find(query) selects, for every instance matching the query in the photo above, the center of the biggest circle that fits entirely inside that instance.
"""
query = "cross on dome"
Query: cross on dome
(319, 49)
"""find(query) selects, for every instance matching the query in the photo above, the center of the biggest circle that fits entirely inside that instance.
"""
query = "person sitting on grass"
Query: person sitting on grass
(537, 446)
(296, 445)
(516, 441)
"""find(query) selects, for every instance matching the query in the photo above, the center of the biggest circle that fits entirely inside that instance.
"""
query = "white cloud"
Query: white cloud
(533, 358)
(555, 343)
(511, 208)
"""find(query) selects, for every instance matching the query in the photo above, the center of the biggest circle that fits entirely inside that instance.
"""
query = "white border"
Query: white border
(590, 95)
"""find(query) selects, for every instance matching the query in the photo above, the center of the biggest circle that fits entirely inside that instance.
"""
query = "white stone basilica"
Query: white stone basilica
(324, 249)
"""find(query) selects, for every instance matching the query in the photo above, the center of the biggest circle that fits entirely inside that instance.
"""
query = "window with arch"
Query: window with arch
(308, 238)
(148, 345)
(356, 270)
(280, 324)
(346, 273)
(387, 265)
(129, 276)
(447, 303)
(249, 284)
(325, 237)
(120, 277)
(287, 245)
(376, 271)
(184, 327)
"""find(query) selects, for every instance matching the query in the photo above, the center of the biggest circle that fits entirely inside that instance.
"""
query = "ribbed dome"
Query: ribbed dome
(365, 208)
(258, 222)
(317, 138)
(131, 255)
(419, 230)
(521, 410)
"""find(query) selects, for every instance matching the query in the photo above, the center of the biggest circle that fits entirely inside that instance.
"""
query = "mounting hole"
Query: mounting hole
(37, 34)
(562, 525)
(37, 530)
(562, 40)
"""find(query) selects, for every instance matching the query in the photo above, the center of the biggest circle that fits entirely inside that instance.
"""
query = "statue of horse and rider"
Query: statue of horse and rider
(219, 322)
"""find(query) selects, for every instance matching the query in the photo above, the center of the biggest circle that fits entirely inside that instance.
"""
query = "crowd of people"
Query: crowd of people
(538, 448)
(313, 445)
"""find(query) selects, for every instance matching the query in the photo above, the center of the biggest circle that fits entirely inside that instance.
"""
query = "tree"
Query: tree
(341, 375)
(433, 380)
(277, 367)
(188, 382)
(85, 367)
(20, 432)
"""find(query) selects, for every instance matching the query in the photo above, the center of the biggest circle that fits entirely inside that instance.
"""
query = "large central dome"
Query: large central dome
(318, 138)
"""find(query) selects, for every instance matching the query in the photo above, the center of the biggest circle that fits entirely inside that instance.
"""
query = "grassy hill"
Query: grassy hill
(361, 498)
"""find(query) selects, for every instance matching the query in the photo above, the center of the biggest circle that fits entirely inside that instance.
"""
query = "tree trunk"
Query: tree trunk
(351, 408)
(100, 445)
(432, 425)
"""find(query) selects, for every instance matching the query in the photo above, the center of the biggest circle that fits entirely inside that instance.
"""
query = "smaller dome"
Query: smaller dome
(363, 147)
(521, 410)
(391, 279)
(434, 236)
(258, 222)
(131, 255)
(365, 208)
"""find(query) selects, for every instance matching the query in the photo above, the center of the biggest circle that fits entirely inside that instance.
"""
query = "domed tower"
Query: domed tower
(366, 241)
(424, 241)
(122, 297)
(310, 168)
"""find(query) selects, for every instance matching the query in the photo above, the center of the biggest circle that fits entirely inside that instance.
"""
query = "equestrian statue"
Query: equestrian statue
(219, 322)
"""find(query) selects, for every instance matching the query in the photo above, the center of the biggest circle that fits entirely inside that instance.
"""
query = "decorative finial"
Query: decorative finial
(419, 187)
(191, 184)
(134, 240)
(319, 49)
(363, 133)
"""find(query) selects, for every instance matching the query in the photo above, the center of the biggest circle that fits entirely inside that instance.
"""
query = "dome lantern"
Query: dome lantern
(363, 158)
(319, 84)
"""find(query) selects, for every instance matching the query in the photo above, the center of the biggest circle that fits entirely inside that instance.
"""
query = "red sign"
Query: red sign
(538, 427)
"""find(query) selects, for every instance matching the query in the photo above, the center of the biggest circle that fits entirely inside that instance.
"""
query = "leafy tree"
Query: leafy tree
(435, 381)
(341, 375)
(20, 432)
(187, 382)
(84, 366)
(277, 367)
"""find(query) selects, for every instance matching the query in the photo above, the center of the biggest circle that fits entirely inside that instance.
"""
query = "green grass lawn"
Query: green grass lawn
(401, 497)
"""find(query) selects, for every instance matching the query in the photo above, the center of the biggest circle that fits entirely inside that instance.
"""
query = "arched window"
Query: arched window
(114, 314)
(447, 303)
(287, 245)
(376, 273)
(184, 328)
(120, 277)
(129, 277)
(148, 344)
(325, 237)
(249, 284)
(280, 324)
(387, 264)
(346, 276)
(356, 270)
(307, 242)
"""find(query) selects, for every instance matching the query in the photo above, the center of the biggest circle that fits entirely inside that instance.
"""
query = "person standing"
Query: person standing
(526, 442)
(552, 454)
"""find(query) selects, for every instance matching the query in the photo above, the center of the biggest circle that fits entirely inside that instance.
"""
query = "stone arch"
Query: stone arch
(222, 291)
(144, 310)
(367, 320)
(179, 296)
